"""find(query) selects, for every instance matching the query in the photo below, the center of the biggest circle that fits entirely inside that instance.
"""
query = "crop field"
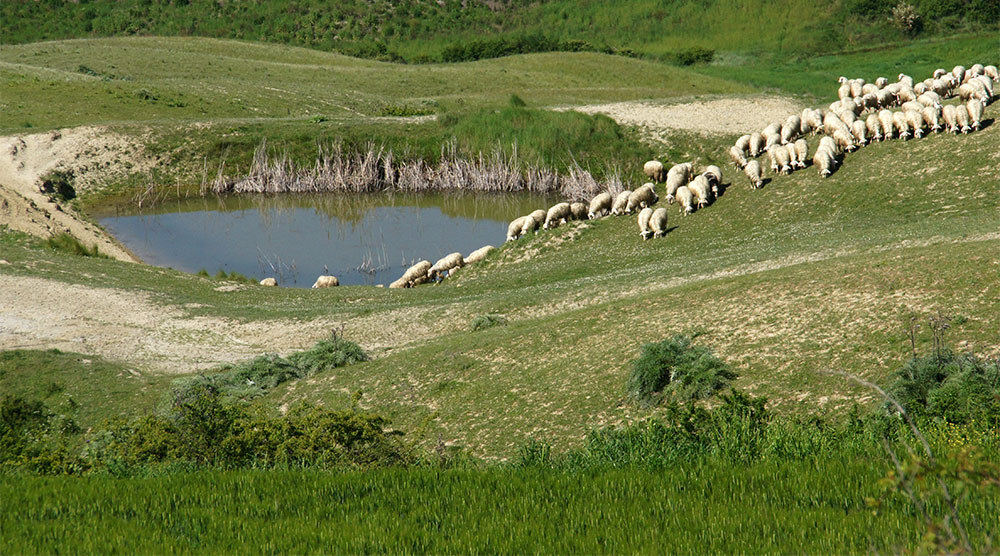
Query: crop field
(493, 390)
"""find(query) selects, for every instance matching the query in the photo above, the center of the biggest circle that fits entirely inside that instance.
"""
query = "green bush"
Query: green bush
(483, 322)
(59, 183)
(69, 244)
(676, 370)
(691, 56)
(958, 388)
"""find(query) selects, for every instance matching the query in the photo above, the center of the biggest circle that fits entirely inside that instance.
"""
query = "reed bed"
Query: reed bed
(380, 169)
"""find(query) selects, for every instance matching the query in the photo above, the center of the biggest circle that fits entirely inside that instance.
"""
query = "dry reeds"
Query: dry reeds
(378, 169)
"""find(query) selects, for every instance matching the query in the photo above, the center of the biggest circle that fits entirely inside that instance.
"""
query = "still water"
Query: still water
(360, 238)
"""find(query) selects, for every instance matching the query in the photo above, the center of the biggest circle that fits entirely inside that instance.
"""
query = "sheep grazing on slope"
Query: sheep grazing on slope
(844, 140)
(515, 227)
(881, 82)
(976, 69)
(888, 129)
(959, 73)
(683, 169)
(701, 190)
(326, 281)
(844, 91)
(933, 118)
(905, 80)
(811, 121)
(912, 105)
(992, 73)
(771, 140)
(560, 213)
(578, 211)
(269, 282)
(531, 225)
(621, 201)
(415, 275)
(772, 129)
(916, 120)
(738, 157)
(756, 144)
(962, 117)
(793, 155)
(479, 254)
(825, 162)
(975, 109)
(600, 206)
(743, 144)
(802, 152)
(685, 199)
(643, 218)
(827, 143)
(874, 127)
(643, 197)
(860, 131)
(445, 264)
(658, 222)
(780, 163)
(902, 125)
(655, 171)
(753, 173)
(930, 98)
(791, 128)
(950, 116)
(714, 175)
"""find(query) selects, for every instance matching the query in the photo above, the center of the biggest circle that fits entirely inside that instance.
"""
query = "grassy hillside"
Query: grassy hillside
(421, 30)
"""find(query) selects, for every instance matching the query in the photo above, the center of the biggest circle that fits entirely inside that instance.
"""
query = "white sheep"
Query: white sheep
(962, 117)
(673, 182)
(658, 222)
(844, 91)
(950, 116)
(832, 122)
(906, 94)
(827, 143)
(933, 118)
(920, 88)
(714, 175)
(643, 218)
(902, 125)
(930, 98)
(445, 264)
(685, 199)
(912, 105)
(793, 155)
(756, 144)
(738, 157)
(888, 129)
(578, 211)
(415, 275)
(326, 281)
(874, 127)
(655, 171)
(802, 152)
(881, 82)
(514, 228)
(905, 80)
(860, 131)
(974, 70)
(400, 283)
(791, 128)
(642, 197)
(844, 140)
(683, 169)
(991, 72)
(753, 173)
(959, 73)
(824, 161)
(771, 140)
(939, 72)
(479, 254)
(884, 98)
(811, 120)
(869, 88)
(269, 282)
(780, 162)
(743, 144)
(621, 201)
(600, 206)
(772, 129)
(975, 109)
(701, 190)
(531, 224)
(857, 87)
(916, 120)
(558, 214)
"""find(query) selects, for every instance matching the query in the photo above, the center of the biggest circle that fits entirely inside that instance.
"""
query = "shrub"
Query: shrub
(69, 244)
(674, 369)
(328, 354)
(59, 183)
(483, 322)
(691, 56)
(906, 18)
(956, 388)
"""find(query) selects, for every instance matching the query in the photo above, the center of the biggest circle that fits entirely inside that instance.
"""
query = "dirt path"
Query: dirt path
(716, 116)
(93, 154)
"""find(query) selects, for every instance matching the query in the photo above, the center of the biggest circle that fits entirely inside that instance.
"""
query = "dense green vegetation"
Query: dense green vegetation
(422, 30)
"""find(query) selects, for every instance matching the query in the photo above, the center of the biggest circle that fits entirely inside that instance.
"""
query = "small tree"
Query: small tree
(677, 370)
(906, 18)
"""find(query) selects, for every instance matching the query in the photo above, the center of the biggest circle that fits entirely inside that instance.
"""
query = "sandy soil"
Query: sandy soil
(93, 154)
(715, 116)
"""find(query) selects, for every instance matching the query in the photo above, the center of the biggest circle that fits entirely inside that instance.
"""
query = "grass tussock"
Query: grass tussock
(68, 244)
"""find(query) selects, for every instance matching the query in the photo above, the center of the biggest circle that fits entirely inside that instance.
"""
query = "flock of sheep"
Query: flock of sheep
(862, 114)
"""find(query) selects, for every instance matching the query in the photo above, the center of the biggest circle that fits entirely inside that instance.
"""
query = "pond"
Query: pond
(359, 238)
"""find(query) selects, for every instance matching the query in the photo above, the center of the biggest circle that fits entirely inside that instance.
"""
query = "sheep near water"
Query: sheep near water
(658, 222)
(326, 281)
(600, 206)
(445, 264)
(560, 213)
(643, 218)
(479, 254)
(269, 282)
(655, 171)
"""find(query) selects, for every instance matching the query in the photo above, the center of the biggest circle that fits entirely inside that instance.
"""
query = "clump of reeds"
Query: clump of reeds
(377, 168)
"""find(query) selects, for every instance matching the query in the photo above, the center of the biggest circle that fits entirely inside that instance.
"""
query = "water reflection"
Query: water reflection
(360, 238)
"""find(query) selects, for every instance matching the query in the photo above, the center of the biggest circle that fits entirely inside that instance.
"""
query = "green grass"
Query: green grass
(801, 507)
(85, 388)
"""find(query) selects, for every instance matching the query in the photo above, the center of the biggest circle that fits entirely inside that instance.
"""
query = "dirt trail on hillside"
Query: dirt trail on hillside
(93, 154)
(715, 116)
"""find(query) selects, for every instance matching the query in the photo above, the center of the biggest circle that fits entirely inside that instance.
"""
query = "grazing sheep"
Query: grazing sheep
(644, 216)
(658, 222)
(743, 144)
(881, 82)
(844, 91)
(772, 129)
(445, 264)
(714, 175)
(916, 120)
(885, 118)
(962, 117)
(930, 98)
(932, 118)
(906, 94)
(959, 73)
(860, 131)
(902, 125)
(869, 88)
(326, 281)
(857, 87)
(538, 216)
(560, 213)
(884, 98)
(599, 206)
(702, 191)
(269, 282)
(643, 197)
(655, 171)
(756, 144)
(983, 89)
(771, 140)
(920, 88)
(685, 199)
(975, 110)
(790, 130)
(912, 105)
(531, 225)
(479, 254)
(515, 227)
(976, 69)
(738, 157)
(950, 116)
(827, 143)
(802, 152)
(832, 122)
(578, 211)
(874, 127)
(399, 284)
(753, 173)
(941, 87)
(780, 161)
(905, 80)
(793, 155)
(825, 162)
(939, 72)
(415, 275)
(812, 120)
(844, 140)
(621, 201)
(847, 117)
(683, 169)
(674, 180)
(992, 73)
